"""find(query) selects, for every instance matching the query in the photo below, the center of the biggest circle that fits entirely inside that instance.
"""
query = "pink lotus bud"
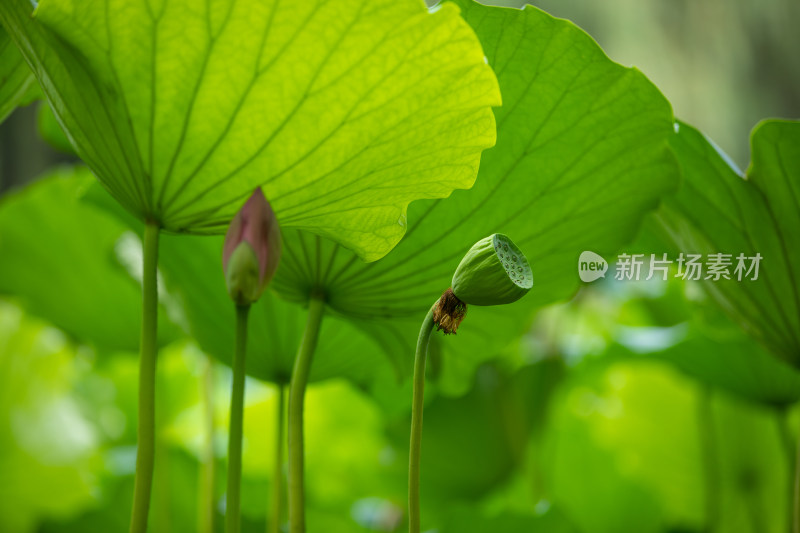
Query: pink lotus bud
(252, 250)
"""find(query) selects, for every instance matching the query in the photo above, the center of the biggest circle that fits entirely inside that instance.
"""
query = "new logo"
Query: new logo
(591, 266)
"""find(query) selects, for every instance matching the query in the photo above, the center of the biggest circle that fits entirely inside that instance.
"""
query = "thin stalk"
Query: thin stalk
(208, 473)
(277, 477)
(417, 406)
(297, 390)
(145, 450)
(233, 505)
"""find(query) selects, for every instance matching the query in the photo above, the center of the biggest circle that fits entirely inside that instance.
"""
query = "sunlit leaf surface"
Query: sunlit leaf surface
(344, 111)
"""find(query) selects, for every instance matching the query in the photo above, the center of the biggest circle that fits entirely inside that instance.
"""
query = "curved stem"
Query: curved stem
(297, 390)
(277, 476)
(145, 450)
(417, 407)
(232, 505)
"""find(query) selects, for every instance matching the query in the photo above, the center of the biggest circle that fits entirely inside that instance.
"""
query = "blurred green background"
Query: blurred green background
(604, 418)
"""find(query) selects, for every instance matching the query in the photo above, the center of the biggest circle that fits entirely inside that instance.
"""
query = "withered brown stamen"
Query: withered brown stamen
(449, 312)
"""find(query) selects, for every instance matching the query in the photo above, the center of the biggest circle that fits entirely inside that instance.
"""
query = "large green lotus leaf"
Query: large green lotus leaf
(343, 111)
(720, 210)
(581, 155)
(17, 84)
(61, 258)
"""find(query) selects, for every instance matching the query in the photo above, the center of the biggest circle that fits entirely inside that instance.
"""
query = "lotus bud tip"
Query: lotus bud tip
(252, 249)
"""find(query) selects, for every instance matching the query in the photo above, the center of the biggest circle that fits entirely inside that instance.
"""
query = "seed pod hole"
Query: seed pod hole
(514, 261)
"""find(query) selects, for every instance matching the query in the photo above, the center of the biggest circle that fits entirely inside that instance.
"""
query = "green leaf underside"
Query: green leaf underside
(344, 111)
(717, 210)
(58, 258)
(581, 155)
(742, 368)
(192, 269)
(17, 82)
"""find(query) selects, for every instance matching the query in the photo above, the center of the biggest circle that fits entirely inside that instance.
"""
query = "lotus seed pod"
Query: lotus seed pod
(252, 250)
(494, 272)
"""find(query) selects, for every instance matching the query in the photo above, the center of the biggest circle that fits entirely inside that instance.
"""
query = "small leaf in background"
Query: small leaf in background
(50, 130)
(45, 438)
(672, 322)
(720, 210)
(17, 84)
(737, 365)
(344, 111)
(61, 258)
(626, 451)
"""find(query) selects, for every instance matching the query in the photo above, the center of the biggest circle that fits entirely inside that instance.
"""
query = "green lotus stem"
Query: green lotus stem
(277, 477)
(297, 390)
(418, 403)
(493, 272)
(233, 502)
(147, 381)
